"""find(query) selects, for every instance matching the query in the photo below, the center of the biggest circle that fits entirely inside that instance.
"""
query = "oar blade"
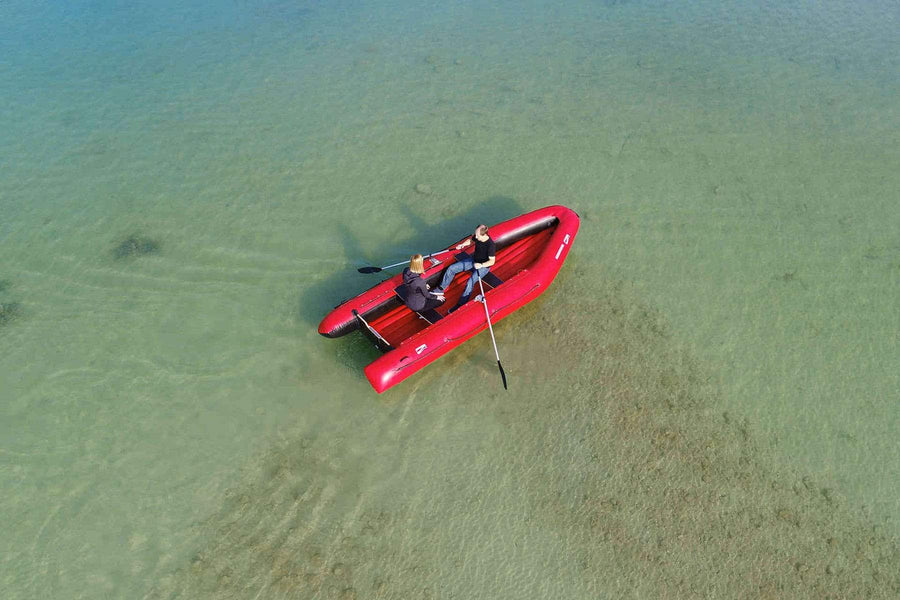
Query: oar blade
(367, 270)
(502, 375)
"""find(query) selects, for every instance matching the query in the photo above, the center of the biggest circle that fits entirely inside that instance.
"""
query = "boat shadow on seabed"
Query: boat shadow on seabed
(324, 294)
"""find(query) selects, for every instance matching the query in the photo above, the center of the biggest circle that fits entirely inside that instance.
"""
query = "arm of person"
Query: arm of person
(488, 263)
(464, 244)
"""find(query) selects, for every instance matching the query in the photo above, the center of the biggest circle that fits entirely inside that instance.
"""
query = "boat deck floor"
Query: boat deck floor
(400, 323)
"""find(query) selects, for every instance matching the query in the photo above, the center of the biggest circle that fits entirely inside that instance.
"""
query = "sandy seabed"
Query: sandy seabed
(632, 481)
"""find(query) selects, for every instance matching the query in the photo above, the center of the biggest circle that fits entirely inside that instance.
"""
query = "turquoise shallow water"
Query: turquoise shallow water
(735, 168)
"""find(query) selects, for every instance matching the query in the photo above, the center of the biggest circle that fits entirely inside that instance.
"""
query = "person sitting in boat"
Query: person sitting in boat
(418, 296)
(481, 262)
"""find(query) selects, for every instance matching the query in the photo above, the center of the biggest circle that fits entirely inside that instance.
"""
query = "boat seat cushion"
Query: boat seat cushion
(490, 279)
(430, 315)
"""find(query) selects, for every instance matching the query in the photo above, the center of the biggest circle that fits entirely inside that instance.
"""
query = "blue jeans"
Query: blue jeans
(458, 267)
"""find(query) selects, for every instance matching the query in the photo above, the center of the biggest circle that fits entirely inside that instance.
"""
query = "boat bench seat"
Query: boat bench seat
(490, 279)
(430, 315)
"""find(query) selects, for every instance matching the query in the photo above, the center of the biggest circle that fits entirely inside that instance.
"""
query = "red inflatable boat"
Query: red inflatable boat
(530, 249)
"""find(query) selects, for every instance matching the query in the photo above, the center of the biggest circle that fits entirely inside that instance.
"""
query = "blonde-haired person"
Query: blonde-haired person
(418, 297)
(481, 262)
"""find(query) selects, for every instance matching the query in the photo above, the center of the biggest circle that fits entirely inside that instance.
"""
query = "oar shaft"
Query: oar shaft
(487, 315)
(394, 265)
(403, 262)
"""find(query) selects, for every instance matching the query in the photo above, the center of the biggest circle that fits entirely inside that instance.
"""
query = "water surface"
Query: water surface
(717, 361)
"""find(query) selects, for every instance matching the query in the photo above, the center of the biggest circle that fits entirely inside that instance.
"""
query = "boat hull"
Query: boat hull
(522, 283)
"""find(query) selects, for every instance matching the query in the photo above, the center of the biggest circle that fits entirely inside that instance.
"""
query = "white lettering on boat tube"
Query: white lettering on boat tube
(558, 252)
(566, 239)
(421, 348)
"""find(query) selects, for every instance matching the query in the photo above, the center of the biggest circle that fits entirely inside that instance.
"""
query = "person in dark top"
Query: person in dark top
(481, 262)
(418, 297)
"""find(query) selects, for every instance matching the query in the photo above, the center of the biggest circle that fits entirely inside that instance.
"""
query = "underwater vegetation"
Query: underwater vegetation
(9, 311)
(135, 245)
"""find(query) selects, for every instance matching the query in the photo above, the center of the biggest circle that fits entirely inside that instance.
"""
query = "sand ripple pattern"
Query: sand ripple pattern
(633, 484)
